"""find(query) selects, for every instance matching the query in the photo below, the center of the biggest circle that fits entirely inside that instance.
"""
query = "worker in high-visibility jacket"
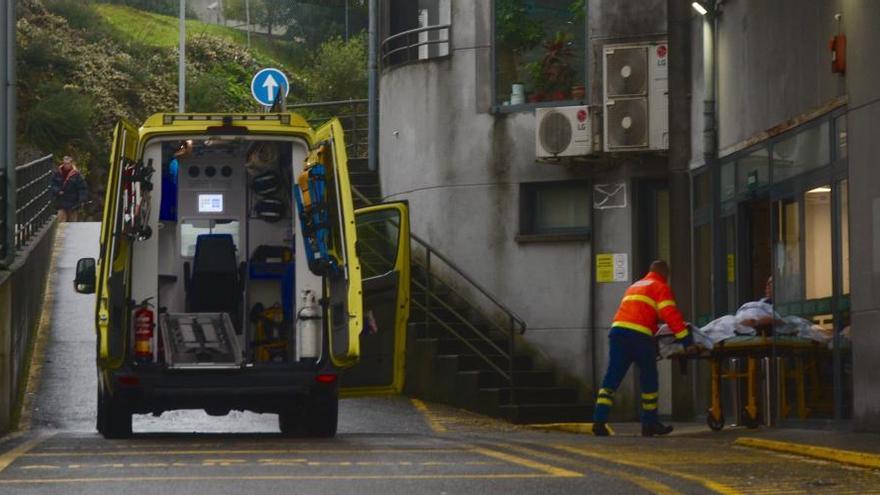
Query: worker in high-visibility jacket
(631, 340)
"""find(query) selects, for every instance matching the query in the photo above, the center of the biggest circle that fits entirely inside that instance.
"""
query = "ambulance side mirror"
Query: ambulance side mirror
(84, 283)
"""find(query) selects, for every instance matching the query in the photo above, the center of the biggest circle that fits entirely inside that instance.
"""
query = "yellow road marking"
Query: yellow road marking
(640, 481)
(238, 452)
(861, 459)
(435, 425)
(11, 455)
(529, 463)
(569, 427)
(711, 485)
(278, 478)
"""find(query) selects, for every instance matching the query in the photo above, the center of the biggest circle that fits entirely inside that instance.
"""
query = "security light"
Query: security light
(699, 8)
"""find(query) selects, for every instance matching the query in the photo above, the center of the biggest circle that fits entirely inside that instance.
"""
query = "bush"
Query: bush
(60, 119)
(167, 7)
(338, 70)
(217, 91)
(79, 13)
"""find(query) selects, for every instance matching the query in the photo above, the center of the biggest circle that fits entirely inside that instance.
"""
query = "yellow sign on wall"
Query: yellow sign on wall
(612, 268)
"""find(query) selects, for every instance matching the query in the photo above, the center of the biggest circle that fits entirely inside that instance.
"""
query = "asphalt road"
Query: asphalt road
(384, 445)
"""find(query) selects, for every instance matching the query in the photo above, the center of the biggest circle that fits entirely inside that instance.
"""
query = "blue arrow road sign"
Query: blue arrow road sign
(268, 84)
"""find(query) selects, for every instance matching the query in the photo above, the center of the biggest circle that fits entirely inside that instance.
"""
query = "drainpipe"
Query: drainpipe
(710, 150)
(373, 98)
(8, 139)
(679, 19)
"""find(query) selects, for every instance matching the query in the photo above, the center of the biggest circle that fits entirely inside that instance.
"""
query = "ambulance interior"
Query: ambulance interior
(224, 278)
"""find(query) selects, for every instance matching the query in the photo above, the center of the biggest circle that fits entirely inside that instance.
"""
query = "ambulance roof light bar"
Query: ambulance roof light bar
(172, 118)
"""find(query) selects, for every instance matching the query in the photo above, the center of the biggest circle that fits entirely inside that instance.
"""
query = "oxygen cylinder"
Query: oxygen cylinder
(308, 327)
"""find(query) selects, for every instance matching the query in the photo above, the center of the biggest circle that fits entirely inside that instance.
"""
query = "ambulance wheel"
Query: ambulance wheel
(750, 422)
(114, 421)
(714, 424)
(322, 417)
(290, 424)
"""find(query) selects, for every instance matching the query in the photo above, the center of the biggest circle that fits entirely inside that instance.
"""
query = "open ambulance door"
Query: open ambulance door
(113, 270)
(384, 254)
(342, 282)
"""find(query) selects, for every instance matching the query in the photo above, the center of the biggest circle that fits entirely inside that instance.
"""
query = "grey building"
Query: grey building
(792, 192)
(459, 106)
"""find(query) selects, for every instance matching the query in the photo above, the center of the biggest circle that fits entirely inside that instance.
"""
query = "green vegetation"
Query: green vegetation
(83, 66)
(161, 31)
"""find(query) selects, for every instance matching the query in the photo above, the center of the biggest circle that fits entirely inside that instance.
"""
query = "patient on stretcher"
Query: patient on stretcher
(751, 319)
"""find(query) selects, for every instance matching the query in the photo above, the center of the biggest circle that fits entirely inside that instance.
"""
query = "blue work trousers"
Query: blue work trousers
(627, 347)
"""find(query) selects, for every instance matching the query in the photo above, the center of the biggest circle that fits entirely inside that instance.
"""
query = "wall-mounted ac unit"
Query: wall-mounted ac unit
(564, 131)
(636, 116)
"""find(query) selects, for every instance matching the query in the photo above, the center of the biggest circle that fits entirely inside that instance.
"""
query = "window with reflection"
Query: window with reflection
(817, 242)
(788, 282)
(804, 151)
(539, 51)
(703, 274)
(753, 170)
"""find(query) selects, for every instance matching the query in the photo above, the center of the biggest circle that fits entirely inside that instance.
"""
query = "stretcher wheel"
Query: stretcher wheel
(714, 424)
(750, 422)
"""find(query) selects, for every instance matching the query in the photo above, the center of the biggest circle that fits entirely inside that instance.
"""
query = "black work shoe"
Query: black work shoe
(600, 430)
(658, 428)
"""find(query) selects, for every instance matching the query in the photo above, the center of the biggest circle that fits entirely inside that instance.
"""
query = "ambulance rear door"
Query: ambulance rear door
(384, 254)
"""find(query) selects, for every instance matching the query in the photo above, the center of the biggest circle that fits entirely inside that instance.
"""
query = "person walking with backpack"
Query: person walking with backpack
(69, 190)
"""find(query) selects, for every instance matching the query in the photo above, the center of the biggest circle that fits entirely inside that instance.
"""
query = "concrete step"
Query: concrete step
(491, 379)
(531, 395)
(546, 413)
(472, 362)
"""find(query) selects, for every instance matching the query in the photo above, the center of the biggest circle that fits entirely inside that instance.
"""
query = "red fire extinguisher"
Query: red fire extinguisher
(144, 326)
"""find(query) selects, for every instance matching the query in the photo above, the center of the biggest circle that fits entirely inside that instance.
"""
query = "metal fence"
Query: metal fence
(33, 199)
(351, 113)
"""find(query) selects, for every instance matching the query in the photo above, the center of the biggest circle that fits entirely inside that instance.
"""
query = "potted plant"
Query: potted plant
(556, 66)
(552, 74)
(517, 32)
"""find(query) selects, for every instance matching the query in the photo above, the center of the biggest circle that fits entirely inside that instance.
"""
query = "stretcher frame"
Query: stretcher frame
(753, 350)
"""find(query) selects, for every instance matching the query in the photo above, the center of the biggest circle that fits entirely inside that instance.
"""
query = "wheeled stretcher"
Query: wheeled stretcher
(797, 365)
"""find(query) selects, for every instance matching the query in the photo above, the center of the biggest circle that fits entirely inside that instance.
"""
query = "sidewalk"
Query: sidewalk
(846, 447)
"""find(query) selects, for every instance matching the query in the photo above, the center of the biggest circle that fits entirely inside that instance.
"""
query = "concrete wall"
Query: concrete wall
(863, 87)
(461, 167)
(21, 301)
(773, 65)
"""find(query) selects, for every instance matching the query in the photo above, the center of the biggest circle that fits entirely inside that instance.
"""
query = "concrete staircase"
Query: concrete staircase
(458, 355)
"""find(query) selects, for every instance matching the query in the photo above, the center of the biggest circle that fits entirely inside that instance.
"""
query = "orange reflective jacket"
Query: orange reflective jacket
(645, 302)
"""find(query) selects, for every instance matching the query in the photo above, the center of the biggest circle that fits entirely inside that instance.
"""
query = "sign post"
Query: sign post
(268, 85)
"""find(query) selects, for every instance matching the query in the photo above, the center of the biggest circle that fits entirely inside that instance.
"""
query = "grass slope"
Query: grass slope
(161, 31)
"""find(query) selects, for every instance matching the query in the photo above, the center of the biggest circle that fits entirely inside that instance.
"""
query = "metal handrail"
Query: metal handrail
(407, 47)
(513, 319)
(32, 199)
(353, 118)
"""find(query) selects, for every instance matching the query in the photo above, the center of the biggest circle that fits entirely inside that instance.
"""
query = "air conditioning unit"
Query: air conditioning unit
(564, 131)
(636, 116)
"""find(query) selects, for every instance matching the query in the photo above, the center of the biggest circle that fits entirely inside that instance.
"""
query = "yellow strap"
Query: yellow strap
(607, 391)
(682, 334)
(605, 401)
(633, 326)
(641, 298)
(666, 304)
(651, 396)
(649, 407)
